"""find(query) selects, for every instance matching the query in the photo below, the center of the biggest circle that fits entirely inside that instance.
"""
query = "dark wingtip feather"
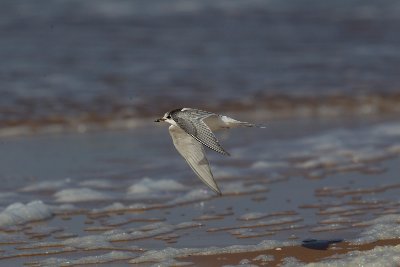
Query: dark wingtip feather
(223, 152)
(217, 190)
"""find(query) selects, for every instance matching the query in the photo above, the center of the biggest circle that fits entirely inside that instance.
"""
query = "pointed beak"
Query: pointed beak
(159, 120)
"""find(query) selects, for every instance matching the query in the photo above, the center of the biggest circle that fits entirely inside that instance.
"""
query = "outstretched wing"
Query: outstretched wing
(193, 152)
(192, 122)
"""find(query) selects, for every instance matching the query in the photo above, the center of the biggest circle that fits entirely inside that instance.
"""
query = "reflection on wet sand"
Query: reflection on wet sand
(277, 192)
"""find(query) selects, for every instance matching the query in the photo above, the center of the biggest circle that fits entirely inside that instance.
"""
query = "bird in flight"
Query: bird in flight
(191, 129)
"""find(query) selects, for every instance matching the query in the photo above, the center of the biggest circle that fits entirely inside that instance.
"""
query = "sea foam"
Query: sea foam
(79, 195)
(148, 186)
(19, 213)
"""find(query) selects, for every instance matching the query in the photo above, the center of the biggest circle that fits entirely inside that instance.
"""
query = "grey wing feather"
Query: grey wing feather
(191, 121)
(193, 152)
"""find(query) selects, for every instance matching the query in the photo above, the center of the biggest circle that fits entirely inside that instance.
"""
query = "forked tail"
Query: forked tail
(248, 124)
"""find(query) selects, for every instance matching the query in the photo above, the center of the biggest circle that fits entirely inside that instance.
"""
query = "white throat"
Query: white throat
(171, 121)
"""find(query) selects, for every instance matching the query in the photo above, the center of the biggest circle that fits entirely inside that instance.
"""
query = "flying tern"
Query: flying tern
(191, 129)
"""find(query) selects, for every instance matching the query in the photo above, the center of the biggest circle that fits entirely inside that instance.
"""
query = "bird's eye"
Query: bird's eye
(169, 117)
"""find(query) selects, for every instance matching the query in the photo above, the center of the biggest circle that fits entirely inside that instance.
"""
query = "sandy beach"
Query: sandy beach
(132, 200)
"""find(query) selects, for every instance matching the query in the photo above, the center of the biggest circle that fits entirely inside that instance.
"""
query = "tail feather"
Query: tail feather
(248, 124)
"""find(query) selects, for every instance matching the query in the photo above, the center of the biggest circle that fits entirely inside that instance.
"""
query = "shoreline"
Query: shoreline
(265, 108)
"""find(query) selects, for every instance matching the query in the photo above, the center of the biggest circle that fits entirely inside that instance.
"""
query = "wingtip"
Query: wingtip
(222, 151)
(217, 191)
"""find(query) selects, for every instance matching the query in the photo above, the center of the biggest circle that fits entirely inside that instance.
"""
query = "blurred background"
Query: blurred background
(94, 62)
(323, 75)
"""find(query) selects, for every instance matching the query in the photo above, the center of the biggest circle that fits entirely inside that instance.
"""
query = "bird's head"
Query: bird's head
(166, 118)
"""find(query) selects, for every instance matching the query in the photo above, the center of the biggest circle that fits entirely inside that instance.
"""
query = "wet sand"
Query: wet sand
(277, 256)
(126, 197)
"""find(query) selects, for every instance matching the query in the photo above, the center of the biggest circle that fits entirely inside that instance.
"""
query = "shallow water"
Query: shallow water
(77, 62)
(116, 195)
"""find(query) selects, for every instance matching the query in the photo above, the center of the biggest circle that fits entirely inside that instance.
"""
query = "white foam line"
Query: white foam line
(171, 253)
